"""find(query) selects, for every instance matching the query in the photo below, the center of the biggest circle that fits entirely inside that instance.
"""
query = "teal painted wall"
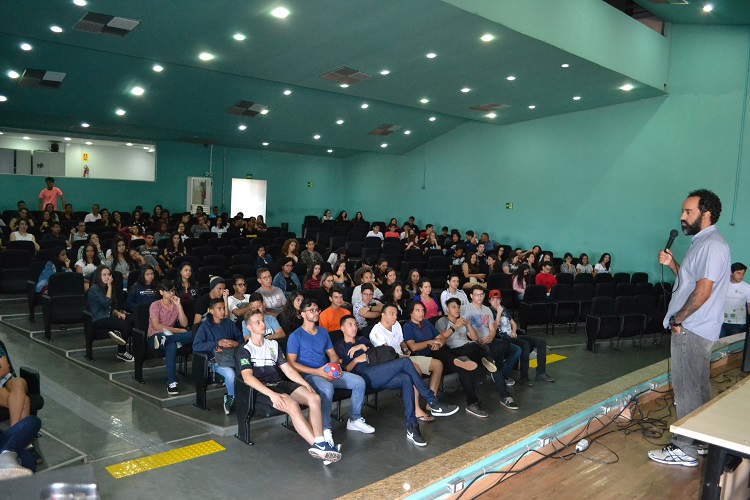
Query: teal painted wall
(605, 180)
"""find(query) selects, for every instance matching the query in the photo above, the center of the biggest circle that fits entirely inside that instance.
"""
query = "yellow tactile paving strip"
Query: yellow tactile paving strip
(551, 358)
(132, 467)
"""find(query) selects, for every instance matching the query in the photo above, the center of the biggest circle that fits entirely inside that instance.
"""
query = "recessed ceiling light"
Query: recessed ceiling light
(465, 90)
(532, 107)
(67, 139)
(89, 143)
(151, 150)
(384, 145)
(287, 92)
(26, 138)
(120, 112)
(365, 106)
(339, 122)
(491, 115)
(431, 55)
(26, 47)
(566, 65)
(316, 136)
(205, 56)
(242, 127)
(158, 68)
(407, 132)
(13, 74)
(263, 111)
(577, 98)
(344, 85)
(708, 7)
(239, 37)
(424, 100)
(128, 144)
(85, 125)
(55, 29)
(627, 87)
(385, 72)
(280, 12)
(330, 150)
(80, 3)
(265, 144)
(1, 133)
(3, 98)
(136, 91)
(487, 37)
(432, 118)
(510, 78)
(145, 147)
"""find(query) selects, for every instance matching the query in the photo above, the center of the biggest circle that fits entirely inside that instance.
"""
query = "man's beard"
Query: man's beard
(691, 229)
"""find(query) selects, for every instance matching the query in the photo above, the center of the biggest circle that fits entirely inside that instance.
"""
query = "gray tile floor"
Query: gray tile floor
(110, 424)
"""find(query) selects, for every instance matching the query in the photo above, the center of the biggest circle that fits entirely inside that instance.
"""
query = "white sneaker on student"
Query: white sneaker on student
(672, 455)
(359, 425)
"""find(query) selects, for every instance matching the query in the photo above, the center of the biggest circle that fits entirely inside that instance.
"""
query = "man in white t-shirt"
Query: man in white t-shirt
(375, 232)
(366, 277)
(94, 215)
(273, 297)
(737, 303)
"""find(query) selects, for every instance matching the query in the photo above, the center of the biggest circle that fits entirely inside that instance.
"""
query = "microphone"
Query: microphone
(672, 236)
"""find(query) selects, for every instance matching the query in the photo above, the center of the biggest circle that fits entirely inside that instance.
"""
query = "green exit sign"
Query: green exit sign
(509, 206)
(248, 176)
(309, 184)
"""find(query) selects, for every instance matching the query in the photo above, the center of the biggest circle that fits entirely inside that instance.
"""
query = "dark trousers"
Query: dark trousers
(526, 344)
(124, 326)
(465, 377)
(19, 436)
(500, 350)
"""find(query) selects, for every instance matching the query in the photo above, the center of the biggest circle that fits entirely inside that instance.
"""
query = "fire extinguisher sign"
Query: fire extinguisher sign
(85, 157)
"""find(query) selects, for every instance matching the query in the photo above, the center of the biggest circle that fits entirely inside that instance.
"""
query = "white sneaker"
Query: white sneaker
(328, 436)
(116, 336)
(672, 455)
(9, 466)
(359, 425)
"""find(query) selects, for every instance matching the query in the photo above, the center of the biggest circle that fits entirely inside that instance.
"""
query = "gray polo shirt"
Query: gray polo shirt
(707, 257)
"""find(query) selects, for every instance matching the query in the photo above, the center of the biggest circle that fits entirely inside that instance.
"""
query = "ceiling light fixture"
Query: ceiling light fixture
(384, 145)
(128, 144)
(708, 7)
(3, 98)
(205, 56)
(487, 37)
(151, 150)
(145, 147)
(316, 136)
(239, 37)
(263, 111)
(566, 65)
(85, 125)
(365, 106)
(242, 127)
(80, 3)
(491, 115)
(432, 118)
(26, 138)
(384, 72)
(55, 29)
(577, 98)
(532, 107)
(407, 132)
(510, 78)
(89, 143)
(424, 100)
(137, 91)
(287, 92)
(344, 85)
(120, 112)
(67, 139)
(13, 74)
(26, 47)
(330, 150)
(280, 12)
(465, 90)
(158, 68)
(265, 144)
(339, 122)
(431, 55)
(627, 87)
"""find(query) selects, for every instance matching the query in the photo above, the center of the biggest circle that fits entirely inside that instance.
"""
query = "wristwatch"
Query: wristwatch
(672, 322)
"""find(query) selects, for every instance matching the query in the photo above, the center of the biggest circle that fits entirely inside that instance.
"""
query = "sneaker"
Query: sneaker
(701, 447)
(9, 466)
(532, 354)
(544, 377)
(438, 409)
(228, 403)
(117, 337)
(158, 341)
(413, 435)
(509, 381)
(672, 455)
(324, 451)
(125, 356)
(489, 364)
(477, 410)
(337, 448)
(465, 363)
(508, 403)
(359, 425)
(328, 436)
(172, 389)
(527, 381)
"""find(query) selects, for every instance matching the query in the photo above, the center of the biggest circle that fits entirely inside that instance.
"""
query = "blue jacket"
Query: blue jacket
(99, 304)
(49, 270)
(280, 282)
(209, 334)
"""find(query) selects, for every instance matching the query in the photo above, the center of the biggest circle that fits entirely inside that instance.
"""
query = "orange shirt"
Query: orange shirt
(330, 318)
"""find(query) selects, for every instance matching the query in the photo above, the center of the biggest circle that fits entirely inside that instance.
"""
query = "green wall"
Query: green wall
(606, 180)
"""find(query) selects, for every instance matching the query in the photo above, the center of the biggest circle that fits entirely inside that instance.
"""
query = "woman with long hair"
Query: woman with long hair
(60, 264)
(431, 305)
(583, 265)
(186, 286)
(143, 291)
(23, 235)
(567, 266)
(88, 263)
(397, 296)
(326, 216)
(412, 282)
(312, 278)
(290, 249)
(176, 248)
(603, 265)
(521, 279)
(101, 304)
(472, 273)
(341, 278)
(219, 228)
(119, 259)
(291, 318)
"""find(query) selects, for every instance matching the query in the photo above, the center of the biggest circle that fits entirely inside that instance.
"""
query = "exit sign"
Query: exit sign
(509, 206)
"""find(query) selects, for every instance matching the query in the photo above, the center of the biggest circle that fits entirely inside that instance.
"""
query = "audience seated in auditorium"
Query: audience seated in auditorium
(200, 227)
(341, 278)
(331, 316)
(452, 291)
(567, 266)
(273, 328)
(367, 278)
(291, 317)
(521, 278)
(143, 291)
(472, 271)
(286, 280)
(603, 266)
(167, 329)
(88, 263)
(142, 261)
(56, 234)
(104, 314)
(398, 298)
(23, 235)
(309, 256)
(583, 265)
(545, 277)
(432, 305)
(367, 309)
(60, 264)
(290, 249)
(217, 289)
(94, 215)
(262, 259)
(273, 297)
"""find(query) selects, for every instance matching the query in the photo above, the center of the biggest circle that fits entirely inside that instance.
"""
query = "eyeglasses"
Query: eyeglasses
(478, 294)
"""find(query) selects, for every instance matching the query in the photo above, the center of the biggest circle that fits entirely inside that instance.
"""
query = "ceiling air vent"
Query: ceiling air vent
(493, 106)
(385, 129)
(95, 130)
(41, 78)
(346, 75)
(247, 108)
(103, 23)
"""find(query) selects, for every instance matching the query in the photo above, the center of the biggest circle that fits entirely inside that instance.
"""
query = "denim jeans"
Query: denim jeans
(17, 437)
(691, 379)
(398, 374)
(728, 329)
(325, 387)
(170, 348)
(505, 355)
(228, 374)
(526, 344)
